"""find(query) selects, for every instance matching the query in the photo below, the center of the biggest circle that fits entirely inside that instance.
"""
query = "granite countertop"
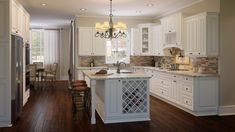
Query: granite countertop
(113, 75)
(89, 68)
(185, 73)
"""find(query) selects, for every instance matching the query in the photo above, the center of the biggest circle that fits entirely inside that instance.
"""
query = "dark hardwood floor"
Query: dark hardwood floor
(49, 110)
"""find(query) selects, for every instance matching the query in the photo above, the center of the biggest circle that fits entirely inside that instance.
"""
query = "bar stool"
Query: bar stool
(80, 94)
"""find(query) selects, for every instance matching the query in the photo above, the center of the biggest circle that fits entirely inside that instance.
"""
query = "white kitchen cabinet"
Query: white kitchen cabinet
(89, 45)
(201, 34)
(14, 17)
(172, 31)
(122, 100)
(135, 42)
(19, 20)
(145, 38)
(196, 95)
(157, 43)
(141, 40)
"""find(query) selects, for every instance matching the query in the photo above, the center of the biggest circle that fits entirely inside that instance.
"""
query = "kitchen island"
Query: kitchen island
(120, 97)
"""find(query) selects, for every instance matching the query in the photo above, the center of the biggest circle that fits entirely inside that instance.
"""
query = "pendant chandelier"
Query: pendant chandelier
(108, 30)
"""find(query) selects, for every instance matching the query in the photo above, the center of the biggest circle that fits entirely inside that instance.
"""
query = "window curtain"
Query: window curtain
(51, 47)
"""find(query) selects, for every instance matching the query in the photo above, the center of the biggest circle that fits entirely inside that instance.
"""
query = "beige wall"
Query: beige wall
(204, 6)
(64, 54)
(227, 52)
(90, 21)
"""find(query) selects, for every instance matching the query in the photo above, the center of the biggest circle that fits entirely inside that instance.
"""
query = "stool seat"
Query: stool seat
(79, 85)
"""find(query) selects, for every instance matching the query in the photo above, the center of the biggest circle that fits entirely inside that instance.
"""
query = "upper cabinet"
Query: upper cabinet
(145, 38)
(172, 30)
(135, 42)
(157, 40)
(89, 45)
(141, 40)
(201, 34)
(19, 21)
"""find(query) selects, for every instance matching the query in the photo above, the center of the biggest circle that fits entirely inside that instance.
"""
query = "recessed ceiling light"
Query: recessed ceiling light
(83, 9)
(43, 4)
(150, 5)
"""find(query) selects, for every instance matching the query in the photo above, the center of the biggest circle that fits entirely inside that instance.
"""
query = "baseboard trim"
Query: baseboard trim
(227, 110)
(64, 78)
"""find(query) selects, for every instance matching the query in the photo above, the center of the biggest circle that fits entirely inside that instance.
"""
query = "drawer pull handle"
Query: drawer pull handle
(174, 81)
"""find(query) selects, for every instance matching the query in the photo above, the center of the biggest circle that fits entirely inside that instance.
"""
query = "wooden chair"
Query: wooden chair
(80, 94)
(49, 76)
(33, 68)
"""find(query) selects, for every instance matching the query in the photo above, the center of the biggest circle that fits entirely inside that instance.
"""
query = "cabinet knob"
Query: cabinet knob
(186, 101)
(199, 53)
(186, 88)
(174, 81)
(176, 43)
(169, 30)
(186, 78)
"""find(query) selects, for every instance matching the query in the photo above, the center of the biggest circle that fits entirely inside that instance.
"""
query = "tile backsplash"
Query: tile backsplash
(197, 64)
(100, 61)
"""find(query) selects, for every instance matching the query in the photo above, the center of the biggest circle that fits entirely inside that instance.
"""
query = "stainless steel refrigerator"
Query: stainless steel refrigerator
(17, 77)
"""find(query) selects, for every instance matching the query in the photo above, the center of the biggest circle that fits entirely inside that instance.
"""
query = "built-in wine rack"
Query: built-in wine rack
(134, 96)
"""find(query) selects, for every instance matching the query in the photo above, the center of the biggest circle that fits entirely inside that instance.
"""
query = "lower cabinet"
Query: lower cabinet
(122, 100)
(196, 95)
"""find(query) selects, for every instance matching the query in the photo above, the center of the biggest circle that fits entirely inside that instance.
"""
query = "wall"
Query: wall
(64, 54)
(204, 6)
(227, 53)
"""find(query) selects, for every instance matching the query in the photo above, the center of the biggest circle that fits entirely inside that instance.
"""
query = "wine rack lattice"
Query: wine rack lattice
(134, 96)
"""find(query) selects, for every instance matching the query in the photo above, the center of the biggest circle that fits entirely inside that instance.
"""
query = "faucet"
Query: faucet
(118, 64)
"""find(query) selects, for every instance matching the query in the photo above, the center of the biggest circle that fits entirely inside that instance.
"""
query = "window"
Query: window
(118, 50)
(37, 45)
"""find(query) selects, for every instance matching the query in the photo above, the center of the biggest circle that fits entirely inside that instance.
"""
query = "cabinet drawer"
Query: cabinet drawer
(187, 89)
(187, 101)
(161, 92)
(163, 82)
(187, 79)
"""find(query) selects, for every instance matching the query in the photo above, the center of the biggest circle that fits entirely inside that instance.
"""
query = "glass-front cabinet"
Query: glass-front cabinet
(146, 38)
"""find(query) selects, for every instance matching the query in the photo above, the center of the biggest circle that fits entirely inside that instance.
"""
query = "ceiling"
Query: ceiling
(58, 13)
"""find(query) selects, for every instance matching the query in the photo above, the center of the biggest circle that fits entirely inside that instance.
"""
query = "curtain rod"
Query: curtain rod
(47, 28)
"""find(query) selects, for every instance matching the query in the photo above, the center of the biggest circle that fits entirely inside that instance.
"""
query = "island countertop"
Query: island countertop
(113, 75)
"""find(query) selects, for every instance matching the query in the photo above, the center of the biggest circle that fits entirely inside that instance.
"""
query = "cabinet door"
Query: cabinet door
(85, 41)
(20, 21)
(99, 45)
(14, 16)
(27, 25)
(154, 49)
(201, 35)
(135, 42)
(113, 98)
(145, 40)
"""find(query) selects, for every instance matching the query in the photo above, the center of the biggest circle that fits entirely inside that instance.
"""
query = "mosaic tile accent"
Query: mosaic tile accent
(199, 64)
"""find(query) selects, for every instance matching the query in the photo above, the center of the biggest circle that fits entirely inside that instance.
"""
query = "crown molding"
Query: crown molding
(116, 17)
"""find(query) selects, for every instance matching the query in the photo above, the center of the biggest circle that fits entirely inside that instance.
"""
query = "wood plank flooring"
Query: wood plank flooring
(49, 110)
